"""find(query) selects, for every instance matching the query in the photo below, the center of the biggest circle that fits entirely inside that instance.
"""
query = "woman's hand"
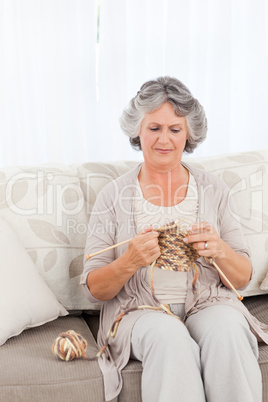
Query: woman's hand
(143, 249)
(104, 283)
(205, 240)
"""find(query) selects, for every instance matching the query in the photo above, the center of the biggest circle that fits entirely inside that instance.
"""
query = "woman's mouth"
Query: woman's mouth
(163, 150)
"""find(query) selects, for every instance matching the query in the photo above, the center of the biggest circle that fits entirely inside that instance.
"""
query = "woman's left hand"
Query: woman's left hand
(205, 240)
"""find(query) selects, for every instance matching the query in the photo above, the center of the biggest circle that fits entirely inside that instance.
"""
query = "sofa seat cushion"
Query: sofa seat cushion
(257, 305)
(29, 371)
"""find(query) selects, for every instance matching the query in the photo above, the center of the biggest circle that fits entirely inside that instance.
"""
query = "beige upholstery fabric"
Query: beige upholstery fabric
(257, 305)
(30, 372)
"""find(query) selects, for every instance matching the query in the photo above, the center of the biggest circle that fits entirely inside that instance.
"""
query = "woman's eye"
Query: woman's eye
(175, 130)
(154, 128)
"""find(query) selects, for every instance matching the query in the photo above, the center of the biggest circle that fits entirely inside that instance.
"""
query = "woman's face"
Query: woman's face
(163, 135)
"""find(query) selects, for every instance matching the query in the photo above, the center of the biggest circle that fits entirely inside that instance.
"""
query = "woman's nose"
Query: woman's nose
(163, 137)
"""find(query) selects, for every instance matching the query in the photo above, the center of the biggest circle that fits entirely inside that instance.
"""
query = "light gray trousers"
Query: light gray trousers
(212, 358)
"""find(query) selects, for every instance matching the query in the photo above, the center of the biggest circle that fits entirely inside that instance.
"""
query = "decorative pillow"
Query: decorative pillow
(25, 299)
(264, 284)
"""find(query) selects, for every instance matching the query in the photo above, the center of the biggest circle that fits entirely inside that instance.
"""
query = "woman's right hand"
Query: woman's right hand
(143, 249)
(104, 283)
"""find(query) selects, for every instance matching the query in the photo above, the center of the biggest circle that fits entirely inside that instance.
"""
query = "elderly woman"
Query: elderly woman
(206, 349)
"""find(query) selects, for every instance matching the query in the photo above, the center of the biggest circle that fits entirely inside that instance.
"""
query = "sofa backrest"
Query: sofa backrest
(49, 207)
(246, 174)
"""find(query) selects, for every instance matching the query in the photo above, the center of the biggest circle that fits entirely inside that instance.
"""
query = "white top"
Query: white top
(169, 286)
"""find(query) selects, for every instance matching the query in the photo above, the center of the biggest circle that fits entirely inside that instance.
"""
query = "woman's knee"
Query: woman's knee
(220, 324)
(159, 340)
(160, 324)
(215, 319)
(155, 330)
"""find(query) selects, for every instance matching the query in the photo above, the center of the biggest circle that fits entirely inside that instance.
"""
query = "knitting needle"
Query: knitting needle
(227, 280)
(88, 256)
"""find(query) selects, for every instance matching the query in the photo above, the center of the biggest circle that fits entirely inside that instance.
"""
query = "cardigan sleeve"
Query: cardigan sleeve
(100, 235)
(230, 226)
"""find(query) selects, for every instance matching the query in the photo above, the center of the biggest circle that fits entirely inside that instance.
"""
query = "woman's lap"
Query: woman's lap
(157, 327)
(170, 359)
(215, 346)
(228, 354)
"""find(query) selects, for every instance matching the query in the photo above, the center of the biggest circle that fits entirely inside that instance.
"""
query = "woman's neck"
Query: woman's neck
(152, 174)
(164, 188)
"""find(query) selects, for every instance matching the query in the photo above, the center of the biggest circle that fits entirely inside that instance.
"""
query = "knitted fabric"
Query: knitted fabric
(176, 255)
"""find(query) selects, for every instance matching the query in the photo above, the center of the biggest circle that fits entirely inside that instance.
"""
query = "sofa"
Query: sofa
(44, 211)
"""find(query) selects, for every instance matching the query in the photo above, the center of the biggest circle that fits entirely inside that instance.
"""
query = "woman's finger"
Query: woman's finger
(201, 227)
(146, 230)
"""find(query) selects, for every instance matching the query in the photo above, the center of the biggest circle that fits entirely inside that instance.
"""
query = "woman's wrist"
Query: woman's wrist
(127, 265)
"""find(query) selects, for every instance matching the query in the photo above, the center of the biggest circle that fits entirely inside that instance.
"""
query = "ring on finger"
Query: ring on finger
(206, 245)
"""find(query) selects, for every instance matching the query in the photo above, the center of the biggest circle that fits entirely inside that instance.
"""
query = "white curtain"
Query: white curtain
(47, 80)
(61, 95)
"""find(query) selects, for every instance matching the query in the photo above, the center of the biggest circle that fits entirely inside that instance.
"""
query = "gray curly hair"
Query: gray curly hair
(151, 96)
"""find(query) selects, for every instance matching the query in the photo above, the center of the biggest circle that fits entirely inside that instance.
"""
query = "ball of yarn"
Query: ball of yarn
(69, 345)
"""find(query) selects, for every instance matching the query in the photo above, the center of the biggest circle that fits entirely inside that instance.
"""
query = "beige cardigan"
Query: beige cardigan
(112, 222)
